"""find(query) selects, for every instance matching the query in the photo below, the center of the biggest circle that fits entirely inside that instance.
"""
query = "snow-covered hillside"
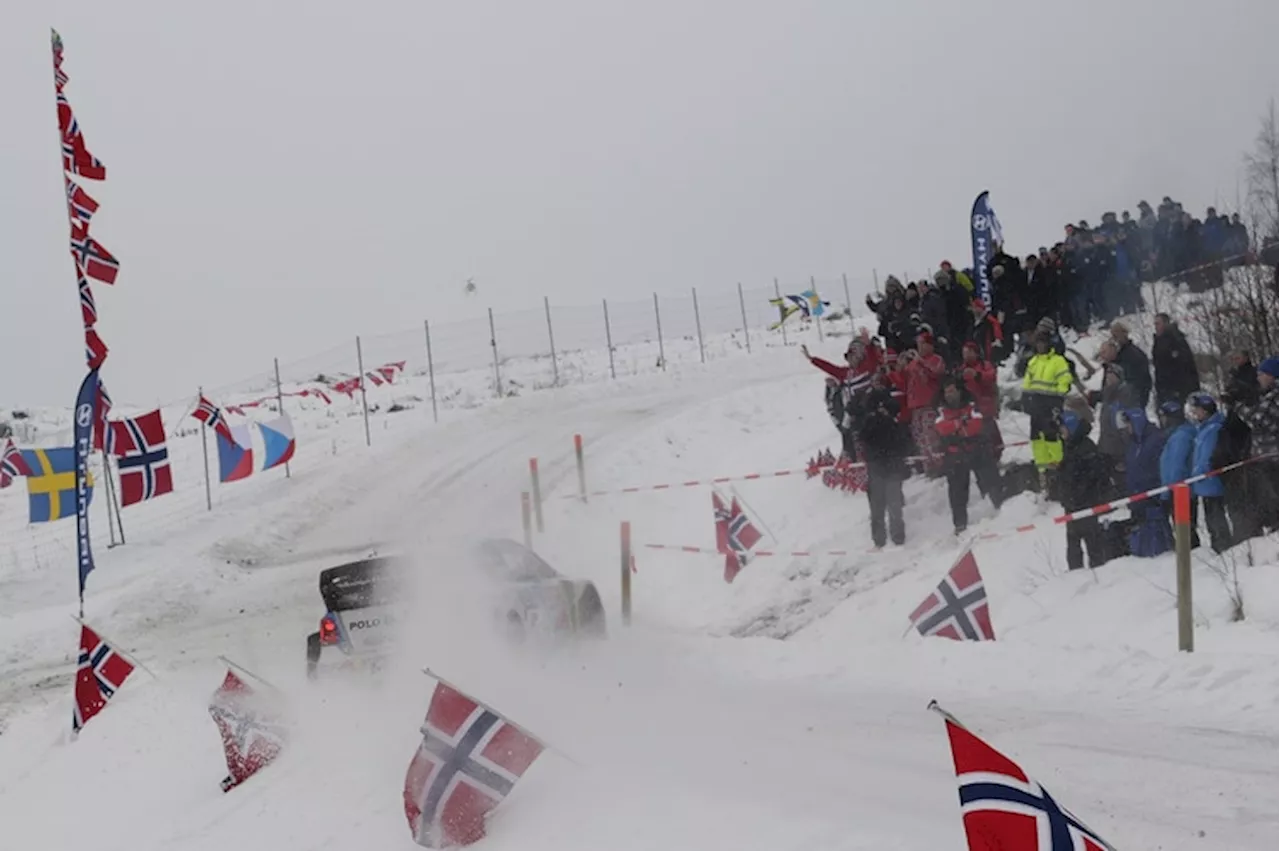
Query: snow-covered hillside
(697, 727)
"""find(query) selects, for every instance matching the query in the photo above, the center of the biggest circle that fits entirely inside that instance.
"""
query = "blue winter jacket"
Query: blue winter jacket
(1175, 458)
(1142, 456)
(1207, 434)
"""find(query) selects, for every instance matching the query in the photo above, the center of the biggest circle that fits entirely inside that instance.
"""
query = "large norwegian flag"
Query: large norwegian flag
(100, 674)
(957, 608)
(251, 725)
(735, 534)
(91, 258)
(469, 761)
(1003, 808)
(142, 458)
(12, 464)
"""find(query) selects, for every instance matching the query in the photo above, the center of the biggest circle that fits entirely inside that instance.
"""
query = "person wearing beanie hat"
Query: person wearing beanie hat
(1263, 416)
(1205, 457)
(1083, 480)
(924, 376)
(1175, 458)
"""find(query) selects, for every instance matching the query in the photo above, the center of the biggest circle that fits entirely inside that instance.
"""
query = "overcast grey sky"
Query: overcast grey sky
(285, 175)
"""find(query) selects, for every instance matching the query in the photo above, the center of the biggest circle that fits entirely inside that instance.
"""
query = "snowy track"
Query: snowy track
(686, 737)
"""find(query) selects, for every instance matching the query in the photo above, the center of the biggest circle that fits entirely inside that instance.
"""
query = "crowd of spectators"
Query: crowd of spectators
(920, 396)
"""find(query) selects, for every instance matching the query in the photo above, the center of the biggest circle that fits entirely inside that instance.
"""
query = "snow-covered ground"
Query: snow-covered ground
(698, 727)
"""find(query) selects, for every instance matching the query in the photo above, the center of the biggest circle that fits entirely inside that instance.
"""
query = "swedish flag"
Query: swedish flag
(51, 487)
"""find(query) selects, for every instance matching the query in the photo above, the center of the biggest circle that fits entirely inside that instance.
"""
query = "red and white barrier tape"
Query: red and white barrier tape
(1104, 508)
(749, 477)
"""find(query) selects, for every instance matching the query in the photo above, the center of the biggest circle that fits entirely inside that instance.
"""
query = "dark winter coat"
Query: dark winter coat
(887, 442)
(933, 312)
(1084, 476)
(1242, 384)
(1175, 365)
(1262, 417)
(1137, 370)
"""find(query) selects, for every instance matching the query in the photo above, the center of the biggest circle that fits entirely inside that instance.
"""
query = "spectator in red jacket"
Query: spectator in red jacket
(966, 449)
(979, 376)
(924, 376)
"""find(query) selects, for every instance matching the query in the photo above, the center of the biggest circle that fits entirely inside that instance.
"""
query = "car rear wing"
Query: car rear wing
(357, 584)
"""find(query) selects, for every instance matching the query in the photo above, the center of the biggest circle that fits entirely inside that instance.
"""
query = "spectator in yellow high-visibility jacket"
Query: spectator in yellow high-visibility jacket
(1044, 386)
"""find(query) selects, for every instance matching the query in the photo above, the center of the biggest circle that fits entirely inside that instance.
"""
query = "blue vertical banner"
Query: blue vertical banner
(86, 401)
(984, 230)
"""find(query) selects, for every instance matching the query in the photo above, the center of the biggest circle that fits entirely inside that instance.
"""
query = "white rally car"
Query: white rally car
(360, 599)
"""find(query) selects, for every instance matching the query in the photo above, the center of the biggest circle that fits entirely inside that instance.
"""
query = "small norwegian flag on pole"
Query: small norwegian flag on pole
(469, 761)
(251, 725)
(12, 464)
(1003, 808)
(141, 457)
(208, 413)
(100, 673)
(957, 608)
(735, 534)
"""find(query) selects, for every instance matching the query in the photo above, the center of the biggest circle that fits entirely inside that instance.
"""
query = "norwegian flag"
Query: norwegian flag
(208, 413)
(101, 408)
(100, 674)
(91, 258)
(347, 386)
(12, 465)
(77, 160)
(88, 307)
(1003, 808)
(80, 207)
(735, 534)
(375, 379)
(95, 351)
(141, 457)
(957, 608)
(388, 371)
(252, 728)
(469, 761)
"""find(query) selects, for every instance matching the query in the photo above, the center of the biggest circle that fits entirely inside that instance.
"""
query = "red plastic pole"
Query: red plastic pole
(1182, 545)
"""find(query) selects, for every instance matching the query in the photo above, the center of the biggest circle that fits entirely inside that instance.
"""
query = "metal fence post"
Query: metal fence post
(608, 338)
(364, 399)
(536, 486)
(782, 320)
(431, 372)
(697, 323)
(848, 304)
(280, 405)
(526, 521)
(626, 573)
(551, 338)
(742, 305)
(582, 467)
(493, 341)
(817, 318)
(662, 353)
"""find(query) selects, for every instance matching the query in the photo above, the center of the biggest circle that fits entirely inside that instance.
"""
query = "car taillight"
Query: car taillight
(328, 630)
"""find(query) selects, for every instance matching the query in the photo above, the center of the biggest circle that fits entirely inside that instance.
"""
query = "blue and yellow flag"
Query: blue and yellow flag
(51, 487)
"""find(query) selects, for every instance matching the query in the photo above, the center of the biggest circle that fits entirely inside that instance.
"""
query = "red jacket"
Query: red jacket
(959, 429)
(924, 377)
(982, 386)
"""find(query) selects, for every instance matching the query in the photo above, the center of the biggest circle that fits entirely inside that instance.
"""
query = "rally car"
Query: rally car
(361, 602)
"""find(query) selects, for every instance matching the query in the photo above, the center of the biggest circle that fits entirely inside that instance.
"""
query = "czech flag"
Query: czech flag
(235, 457)
(278, 443)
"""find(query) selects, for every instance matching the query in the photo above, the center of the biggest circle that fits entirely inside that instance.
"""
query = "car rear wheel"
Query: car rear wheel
(590, 614)
(313, 654)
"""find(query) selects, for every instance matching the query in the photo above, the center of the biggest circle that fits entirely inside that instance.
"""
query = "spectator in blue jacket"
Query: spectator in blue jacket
(1175, 457)
(1151, 535)
(1206, 455)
